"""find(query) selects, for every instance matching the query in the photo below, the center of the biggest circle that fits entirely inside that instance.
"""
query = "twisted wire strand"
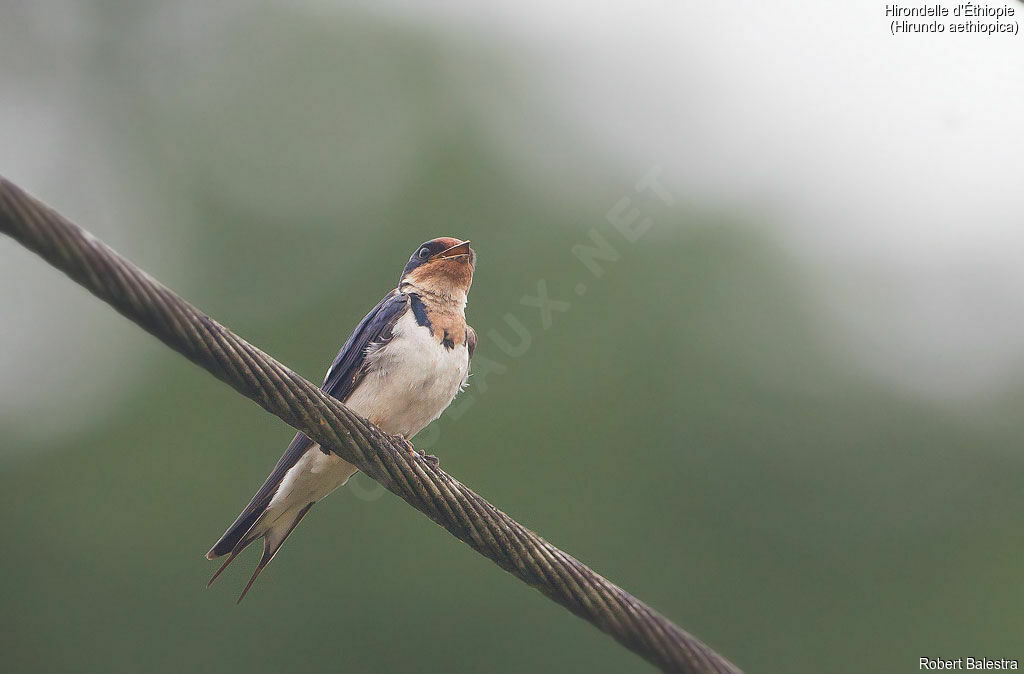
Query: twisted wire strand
(301, 404)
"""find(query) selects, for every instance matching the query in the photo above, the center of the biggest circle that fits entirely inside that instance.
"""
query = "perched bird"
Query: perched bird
(400, 368)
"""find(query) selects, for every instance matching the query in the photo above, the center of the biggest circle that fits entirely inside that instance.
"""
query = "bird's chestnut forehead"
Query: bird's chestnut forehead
(445, 241)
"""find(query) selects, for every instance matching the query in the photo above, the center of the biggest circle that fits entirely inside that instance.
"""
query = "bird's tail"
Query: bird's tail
(274, 534)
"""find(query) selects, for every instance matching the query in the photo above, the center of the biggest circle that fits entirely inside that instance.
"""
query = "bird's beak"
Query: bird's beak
(455, 251)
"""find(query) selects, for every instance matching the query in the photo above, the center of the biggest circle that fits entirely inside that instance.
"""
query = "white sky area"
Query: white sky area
(890, 166)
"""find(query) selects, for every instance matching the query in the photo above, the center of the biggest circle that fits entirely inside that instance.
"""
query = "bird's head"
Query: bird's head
(443, 266)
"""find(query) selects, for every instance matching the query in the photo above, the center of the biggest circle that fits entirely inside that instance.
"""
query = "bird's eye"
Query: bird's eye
(424, 253)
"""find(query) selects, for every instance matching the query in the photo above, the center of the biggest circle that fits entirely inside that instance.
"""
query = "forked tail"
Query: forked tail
(274, 534)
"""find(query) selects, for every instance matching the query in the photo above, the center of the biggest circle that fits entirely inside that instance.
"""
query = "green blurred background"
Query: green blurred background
(787, 415)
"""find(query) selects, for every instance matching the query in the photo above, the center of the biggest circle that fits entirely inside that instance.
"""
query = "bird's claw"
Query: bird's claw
(429, 458)
(408, 445)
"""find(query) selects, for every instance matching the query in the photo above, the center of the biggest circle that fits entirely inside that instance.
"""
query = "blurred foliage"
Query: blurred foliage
(683, 427)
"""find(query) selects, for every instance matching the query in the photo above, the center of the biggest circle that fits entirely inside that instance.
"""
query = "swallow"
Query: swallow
(400, 368)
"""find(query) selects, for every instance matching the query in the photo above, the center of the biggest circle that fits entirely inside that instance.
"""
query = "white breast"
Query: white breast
(410, 380)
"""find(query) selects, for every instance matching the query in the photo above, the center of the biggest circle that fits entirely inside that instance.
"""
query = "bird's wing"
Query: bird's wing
(342, 377)
(470, 341)
(375, 329)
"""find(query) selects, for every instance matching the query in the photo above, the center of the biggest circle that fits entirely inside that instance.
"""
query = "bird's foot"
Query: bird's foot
(429, 458)
(405, 441)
